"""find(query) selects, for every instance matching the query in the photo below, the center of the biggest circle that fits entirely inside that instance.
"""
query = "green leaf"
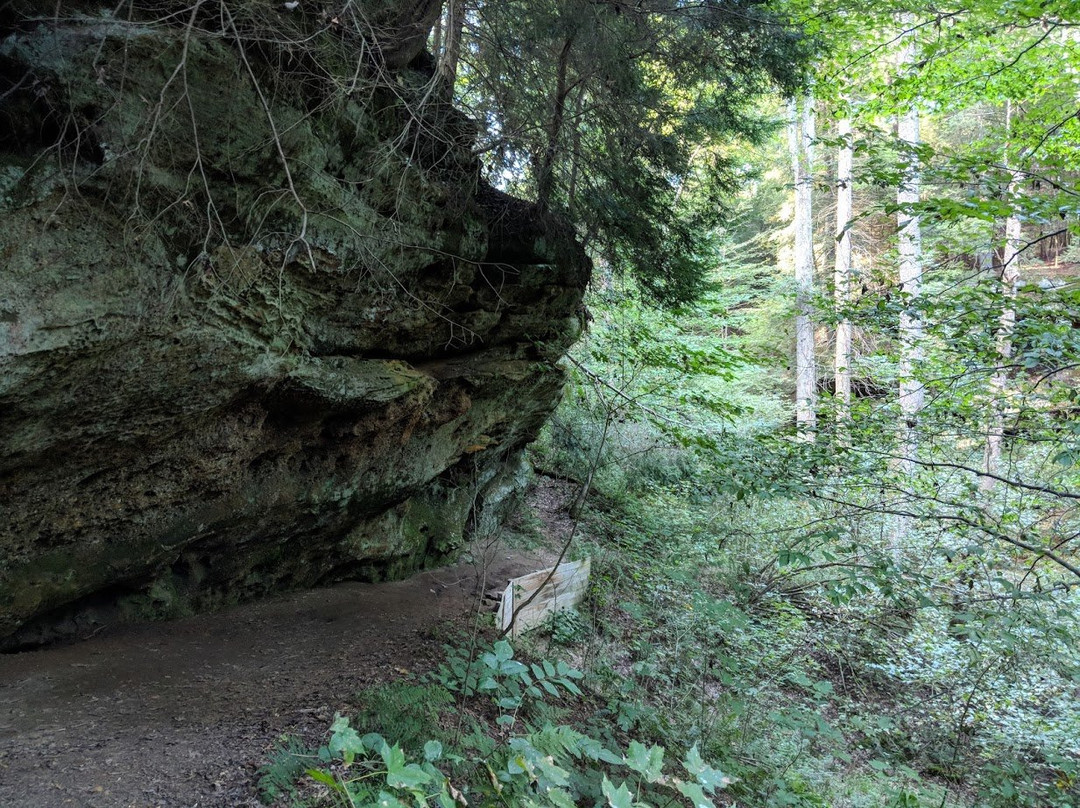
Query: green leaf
(705, 774)
(503, 651)
(326, 779)
(570, 686)
(432, 751)
(513, 668)
(374, 740)
(518, 765)
(647, 762)
(695, 794)
(594, 750)
(560, 798)
(408, 777)
(1067, 457)
(393, 757)
(345, 741)
(616, 797)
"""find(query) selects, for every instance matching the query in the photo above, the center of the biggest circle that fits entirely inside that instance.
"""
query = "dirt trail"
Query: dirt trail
(181, 714)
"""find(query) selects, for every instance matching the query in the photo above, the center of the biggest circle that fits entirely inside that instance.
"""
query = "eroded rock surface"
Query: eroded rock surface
(261, 323)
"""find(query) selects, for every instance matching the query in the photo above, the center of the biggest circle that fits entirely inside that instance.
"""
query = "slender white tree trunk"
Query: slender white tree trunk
(1010, 279)
(842, 272)
(909, 247)
(802, 154)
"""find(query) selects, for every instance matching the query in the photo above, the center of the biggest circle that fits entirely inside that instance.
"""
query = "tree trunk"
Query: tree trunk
(842, 273)
(575, 151)
(1010, 279)
(802, 161)
(909, 247)
(545, 172)
(451, 55)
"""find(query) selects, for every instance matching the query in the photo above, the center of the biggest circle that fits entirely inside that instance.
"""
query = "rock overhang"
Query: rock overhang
(248, 341)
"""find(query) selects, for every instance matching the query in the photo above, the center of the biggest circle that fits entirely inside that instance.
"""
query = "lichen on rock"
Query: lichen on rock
(262, 325)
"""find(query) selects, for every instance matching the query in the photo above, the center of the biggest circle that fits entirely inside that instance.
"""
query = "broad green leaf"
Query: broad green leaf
(705, 774)
(393, 757)
(432, 750)
(503, 651)
(518, 765)
(373, 741)
(592, 749)
(408, 777)
(695, 794)
(647, 762)
(560, 798)
(616, 797)
(345, 741)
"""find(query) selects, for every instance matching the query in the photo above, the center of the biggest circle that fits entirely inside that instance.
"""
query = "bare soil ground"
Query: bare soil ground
(182, 714)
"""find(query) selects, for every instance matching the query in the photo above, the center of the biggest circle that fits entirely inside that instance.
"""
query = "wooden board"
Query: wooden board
(564, 590)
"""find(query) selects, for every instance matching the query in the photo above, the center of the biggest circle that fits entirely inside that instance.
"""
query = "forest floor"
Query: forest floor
(182, 714)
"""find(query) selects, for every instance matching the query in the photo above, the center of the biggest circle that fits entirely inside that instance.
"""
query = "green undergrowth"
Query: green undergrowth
(770, 622)
(487, 728)
(753, 651)
(815, 660)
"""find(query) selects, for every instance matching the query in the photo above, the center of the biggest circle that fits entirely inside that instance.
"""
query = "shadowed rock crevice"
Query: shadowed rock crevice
(252, 336)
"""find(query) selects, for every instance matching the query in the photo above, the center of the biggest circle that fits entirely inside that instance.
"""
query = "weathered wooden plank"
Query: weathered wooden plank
(563, 588)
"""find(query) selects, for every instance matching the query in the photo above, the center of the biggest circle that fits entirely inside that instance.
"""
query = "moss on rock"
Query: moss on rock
(261, 323)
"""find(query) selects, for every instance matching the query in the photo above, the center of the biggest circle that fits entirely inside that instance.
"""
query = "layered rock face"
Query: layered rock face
(261, 323)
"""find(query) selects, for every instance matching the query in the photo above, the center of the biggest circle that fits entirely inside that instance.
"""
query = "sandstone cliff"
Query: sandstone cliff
(261, 323)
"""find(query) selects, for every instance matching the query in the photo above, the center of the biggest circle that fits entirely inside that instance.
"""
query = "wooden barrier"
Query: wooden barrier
(564, 590)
